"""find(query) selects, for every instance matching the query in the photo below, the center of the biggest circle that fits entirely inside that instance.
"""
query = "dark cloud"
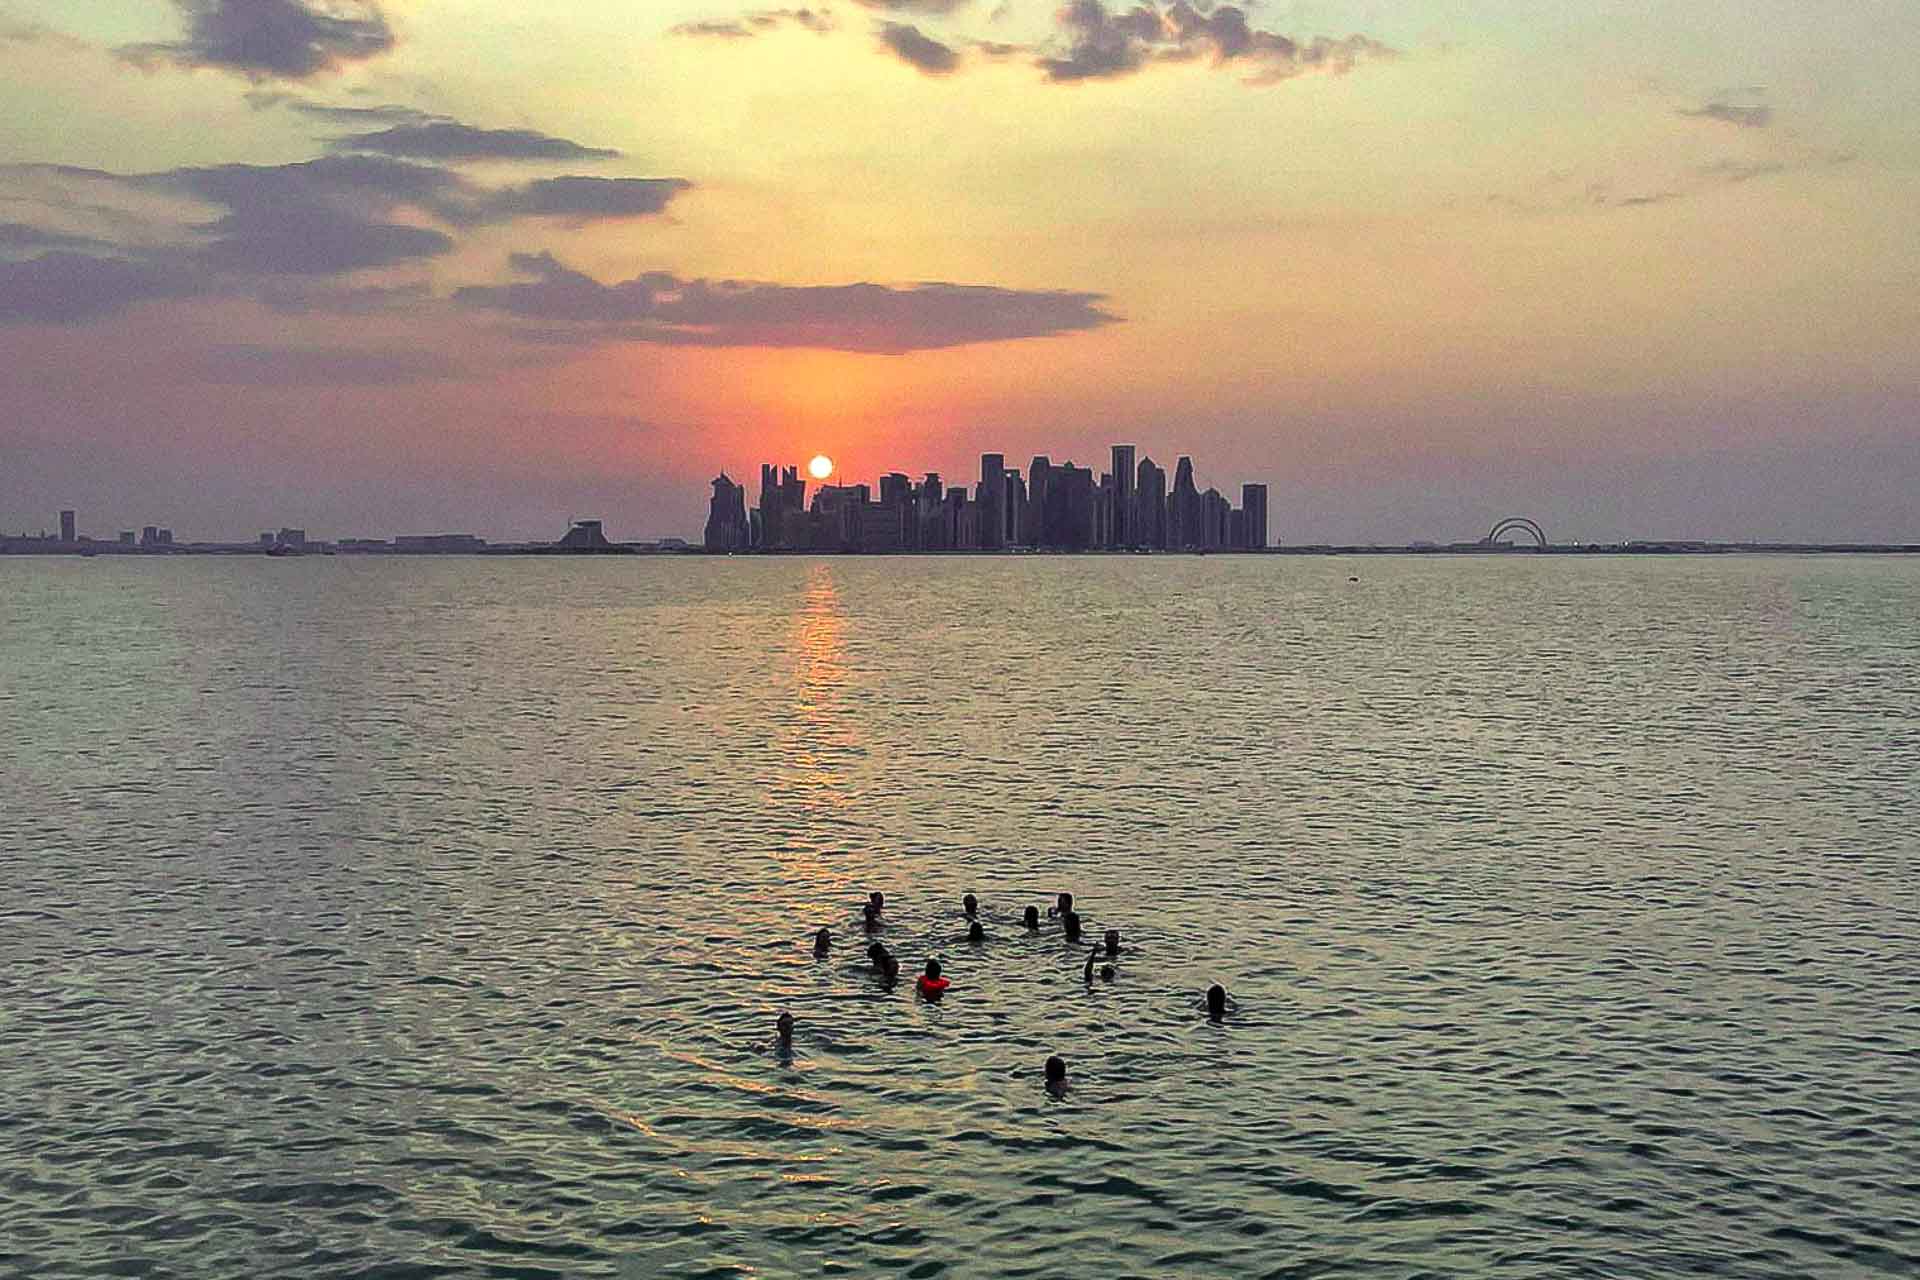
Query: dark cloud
(1101, 44)
(451, 140)
(315, 241)
(917, 50)
(756, 23)
(581, 198)
(282, 234)
(67, 288)
(273, 39)
(659, 307)
(246, 365)
(15, 236)
(1746, 109)
(316, 217)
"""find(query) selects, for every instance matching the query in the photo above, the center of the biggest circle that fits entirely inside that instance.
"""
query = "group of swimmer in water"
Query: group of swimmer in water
(932, 984)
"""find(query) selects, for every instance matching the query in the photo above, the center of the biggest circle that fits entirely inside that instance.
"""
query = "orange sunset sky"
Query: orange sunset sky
(1637, 270)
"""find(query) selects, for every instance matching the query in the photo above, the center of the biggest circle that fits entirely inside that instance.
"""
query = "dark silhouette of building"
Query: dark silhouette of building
(1253, 501)
(727, 526)
(1150, 506)
(1052, 507)
(993, 495)
(1215, 511)
(783, 509)
(585, 535)
(1183, 509)
(67, 533)
(1122, 532)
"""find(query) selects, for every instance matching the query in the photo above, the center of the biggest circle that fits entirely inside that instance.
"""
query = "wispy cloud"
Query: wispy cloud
(38, 33)
(1744, 108)
(443, 139)
(272, 39)
(759, 22)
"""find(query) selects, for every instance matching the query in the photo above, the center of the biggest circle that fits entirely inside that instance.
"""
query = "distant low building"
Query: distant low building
(586, 535)
(438, 543)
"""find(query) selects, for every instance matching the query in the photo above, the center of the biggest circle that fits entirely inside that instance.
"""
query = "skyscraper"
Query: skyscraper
(1122, 532)
(1039, 478)
(993, 501)
(1150, 506)
(66, 526)
(1183, 508)
(1253, 500)
(727, 527)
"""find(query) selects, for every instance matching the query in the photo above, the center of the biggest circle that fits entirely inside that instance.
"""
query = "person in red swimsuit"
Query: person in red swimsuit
(930, 984)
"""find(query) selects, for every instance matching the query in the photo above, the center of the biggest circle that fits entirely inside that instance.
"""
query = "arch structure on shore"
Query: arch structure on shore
(1512, 523)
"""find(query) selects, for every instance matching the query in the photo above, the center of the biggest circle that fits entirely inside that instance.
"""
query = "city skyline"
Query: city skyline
(1057, 507)
(382, 264)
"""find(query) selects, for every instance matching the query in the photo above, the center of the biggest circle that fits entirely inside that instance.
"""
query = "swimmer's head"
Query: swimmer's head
(1033, 917)
(1056, 1070)
(1106, 973)
(822, 941)
(784, 1026)
(1216, 1002)
(975, 933)
(1064, 903)
(877, 902)
(1071, 921)
(933, 968)
(970, 904)
(1113, 942)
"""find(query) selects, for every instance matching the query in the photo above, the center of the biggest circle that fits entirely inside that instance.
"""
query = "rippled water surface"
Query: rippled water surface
(417, 917)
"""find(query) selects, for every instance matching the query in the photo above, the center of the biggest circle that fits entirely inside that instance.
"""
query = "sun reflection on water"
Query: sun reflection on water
(820, 739)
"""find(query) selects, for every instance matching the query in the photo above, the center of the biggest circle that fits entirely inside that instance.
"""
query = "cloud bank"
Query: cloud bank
(660, 307)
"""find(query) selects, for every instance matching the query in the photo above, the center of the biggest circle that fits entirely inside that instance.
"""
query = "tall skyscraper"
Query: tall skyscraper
(993, 501)
(727, 527)
(1183, 508)
(1253, 500)
(1150, 506)
(66, 526)
(1122, 532)
(1039, 479)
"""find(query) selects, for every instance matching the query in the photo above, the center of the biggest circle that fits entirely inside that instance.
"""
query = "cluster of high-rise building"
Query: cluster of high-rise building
(1052, 507)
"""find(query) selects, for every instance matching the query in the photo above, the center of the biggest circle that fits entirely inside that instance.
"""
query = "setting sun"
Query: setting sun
(821, 467)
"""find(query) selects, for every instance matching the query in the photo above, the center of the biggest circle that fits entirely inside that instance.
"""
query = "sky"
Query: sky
(1636, 270)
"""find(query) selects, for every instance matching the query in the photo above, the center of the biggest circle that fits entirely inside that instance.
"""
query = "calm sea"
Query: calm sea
(371, 917)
